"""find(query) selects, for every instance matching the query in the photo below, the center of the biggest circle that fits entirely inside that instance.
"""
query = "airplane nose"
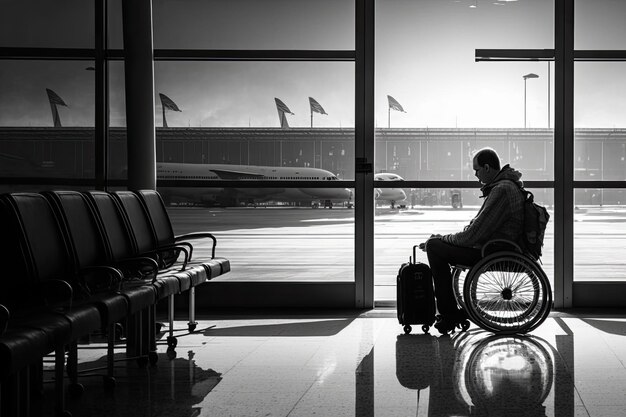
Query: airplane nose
(348, 194)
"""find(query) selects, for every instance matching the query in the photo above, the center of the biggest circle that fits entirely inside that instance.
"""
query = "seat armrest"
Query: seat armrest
(55, 292)
(138, 268)
(198, 235)
(100, 277)
(179, 248)
(187, 245)
(4, 319)
(158, 253)
(492, 242)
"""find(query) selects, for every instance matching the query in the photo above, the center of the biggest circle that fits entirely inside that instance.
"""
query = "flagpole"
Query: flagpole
(55, 115)
(311, 118)
(389, 118)
(164, 121)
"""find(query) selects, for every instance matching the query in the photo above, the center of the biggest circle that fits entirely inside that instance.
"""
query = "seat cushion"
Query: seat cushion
(112, 307)
(83, 319)
(216, 267)
(19, 347)
(139, 296)
(166, 286)
(56, 327)
(194, 274)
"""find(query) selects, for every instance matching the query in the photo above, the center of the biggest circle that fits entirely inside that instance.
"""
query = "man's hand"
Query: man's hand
(423, 245)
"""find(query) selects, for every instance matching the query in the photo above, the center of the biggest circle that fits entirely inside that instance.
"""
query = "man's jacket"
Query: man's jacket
(501, 215)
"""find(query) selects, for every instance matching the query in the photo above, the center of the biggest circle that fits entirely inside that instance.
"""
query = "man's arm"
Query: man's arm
(491, 216)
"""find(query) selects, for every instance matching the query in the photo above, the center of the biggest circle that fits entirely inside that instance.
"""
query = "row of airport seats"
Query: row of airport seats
(77, 263)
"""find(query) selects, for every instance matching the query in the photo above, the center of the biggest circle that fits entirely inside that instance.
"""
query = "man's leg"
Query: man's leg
(440, 256)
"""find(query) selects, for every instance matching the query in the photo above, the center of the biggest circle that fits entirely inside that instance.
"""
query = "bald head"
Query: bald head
(487, 156)
(486, 164)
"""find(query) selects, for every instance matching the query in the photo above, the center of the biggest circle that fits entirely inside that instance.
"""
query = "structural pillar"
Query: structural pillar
(139, 78)
(364, 155)
(564, 153)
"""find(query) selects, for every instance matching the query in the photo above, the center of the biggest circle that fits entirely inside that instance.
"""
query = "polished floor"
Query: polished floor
(362, 364)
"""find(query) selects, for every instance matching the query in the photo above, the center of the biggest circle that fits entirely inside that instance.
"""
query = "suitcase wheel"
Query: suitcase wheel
(425, 328)
(465, 325)
(407, 329)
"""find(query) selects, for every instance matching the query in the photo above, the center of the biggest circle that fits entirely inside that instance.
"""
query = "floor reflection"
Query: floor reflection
(363, 367)
(476, 373)
(173, 388)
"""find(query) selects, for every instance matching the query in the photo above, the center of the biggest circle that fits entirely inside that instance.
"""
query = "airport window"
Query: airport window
(47, 24)
(47, 119)
(600, 141)
(600, 153)
(434, 104)
(599, 24)
(599, 241)
(434, 210)
(271, 240)
(250, 24)
(428, 124)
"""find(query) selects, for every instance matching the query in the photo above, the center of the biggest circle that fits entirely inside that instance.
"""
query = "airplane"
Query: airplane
(391, 195)
(316, 196)
(230, 196)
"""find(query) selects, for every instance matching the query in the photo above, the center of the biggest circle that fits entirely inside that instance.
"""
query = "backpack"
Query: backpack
(536, 219)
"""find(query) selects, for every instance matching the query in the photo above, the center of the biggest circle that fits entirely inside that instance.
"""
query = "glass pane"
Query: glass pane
(599, 240)
(269, 235)
(247, 24)
(446, 154)
(47, 119)
(243, 94)
(117, 152)
(433, 211)
(599, 118)
(42, 23)
(235, 120)
(434, 104)
(599, 24)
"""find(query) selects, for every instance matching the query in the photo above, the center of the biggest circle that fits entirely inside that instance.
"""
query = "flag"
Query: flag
(167, 103)
(282, 107)
(54, 98)
(315, 106)
(394, 105)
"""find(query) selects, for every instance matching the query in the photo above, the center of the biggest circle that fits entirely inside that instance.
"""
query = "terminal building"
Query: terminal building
(185, 234)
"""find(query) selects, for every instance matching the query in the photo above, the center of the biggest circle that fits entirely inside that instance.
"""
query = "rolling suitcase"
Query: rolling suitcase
(415, 295)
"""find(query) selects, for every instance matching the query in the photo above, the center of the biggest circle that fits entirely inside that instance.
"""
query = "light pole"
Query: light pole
(525, 77)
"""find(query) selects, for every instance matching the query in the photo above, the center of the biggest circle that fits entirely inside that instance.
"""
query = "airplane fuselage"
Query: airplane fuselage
(180, 171)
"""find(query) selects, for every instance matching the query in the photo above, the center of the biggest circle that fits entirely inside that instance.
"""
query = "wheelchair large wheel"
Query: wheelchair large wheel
(507, 293)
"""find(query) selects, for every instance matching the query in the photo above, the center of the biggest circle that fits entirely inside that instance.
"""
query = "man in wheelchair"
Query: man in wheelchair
(501, 216)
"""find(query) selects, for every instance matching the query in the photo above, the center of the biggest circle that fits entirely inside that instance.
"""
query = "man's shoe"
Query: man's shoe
(450, 322)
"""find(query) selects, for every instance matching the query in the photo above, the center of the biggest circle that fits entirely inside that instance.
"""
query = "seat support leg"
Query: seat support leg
(170, 313)
(192, 309)
(59, 390)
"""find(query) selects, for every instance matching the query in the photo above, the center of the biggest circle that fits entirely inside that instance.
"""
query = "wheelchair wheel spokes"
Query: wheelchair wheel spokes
(506, 292)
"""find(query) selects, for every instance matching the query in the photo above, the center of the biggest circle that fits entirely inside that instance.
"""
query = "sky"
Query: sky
(424, 59)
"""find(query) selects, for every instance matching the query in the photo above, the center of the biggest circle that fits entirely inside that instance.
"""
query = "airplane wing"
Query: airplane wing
(236, 175)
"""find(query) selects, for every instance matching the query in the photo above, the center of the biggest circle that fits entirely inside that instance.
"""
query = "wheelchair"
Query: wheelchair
(506, 292)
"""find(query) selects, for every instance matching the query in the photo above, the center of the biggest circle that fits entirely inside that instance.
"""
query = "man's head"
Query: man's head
(486, 164)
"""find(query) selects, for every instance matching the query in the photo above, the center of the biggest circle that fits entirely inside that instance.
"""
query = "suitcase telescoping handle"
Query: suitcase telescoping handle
(414, 255)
